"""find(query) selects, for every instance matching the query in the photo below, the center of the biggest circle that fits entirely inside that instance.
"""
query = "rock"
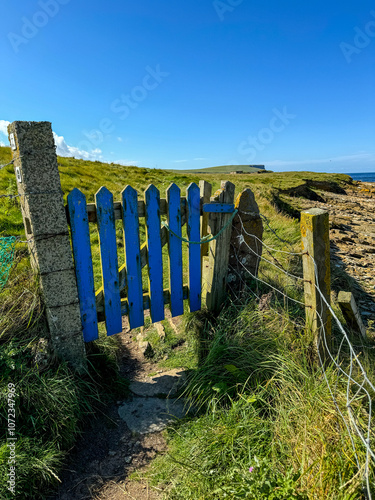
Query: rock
(146, 349)
(145, 346)
(164, 384)
(161, 330)
(41, 354)
(145, 415)
(265, 301)
(246, 241)
(128, 459)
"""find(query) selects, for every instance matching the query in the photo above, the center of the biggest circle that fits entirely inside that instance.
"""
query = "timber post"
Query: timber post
(43, 212)
(219, 250)
(317, 276)
(205, 194)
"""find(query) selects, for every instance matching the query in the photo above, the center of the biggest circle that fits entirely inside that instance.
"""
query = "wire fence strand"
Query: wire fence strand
(355, 389)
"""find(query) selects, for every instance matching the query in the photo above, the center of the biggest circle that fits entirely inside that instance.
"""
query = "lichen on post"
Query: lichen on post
(317, 278)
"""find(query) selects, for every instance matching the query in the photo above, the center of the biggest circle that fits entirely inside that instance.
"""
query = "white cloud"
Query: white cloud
(200, 159)
(4, 127)
(63, 149)
(120, 139)
(179, 161)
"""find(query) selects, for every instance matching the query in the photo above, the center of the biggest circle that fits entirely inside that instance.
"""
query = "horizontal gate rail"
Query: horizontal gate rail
(91, 209)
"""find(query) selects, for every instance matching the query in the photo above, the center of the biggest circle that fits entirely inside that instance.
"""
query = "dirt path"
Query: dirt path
(108, 452)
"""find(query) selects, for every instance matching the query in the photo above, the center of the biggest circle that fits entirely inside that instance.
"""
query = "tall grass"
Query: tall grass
(52, 404)
(264, 406)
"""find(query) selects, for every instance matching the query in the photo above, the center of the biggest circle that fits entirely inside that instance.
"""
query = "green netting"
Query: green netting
(7, 246)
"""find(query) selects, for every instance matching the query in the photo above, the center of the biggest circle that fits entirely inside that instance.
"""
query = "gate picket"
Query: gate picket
(175, 251)
(109, 260)
(79, 224)
(132, 256)
(155, 260)
(193, 231)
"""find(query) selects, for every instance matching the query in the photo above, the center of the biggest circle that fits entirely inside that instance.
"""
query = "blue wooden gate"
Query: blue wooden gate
(106, 303)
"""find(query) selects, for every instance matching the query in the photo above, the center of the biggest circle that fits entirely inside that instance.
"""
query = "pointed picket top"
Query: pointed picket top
(173, 188)
(128, 191)
(103, 194)
(175, 250)
(76, 194)
(151, 192)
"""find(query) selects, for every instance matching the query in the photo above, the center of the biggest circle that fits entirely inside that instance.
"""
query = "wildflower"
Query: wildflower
(251, 469)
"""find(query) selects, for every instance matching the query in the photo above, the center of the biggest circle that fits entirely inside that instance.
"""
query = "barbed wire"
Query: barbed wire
(352, 393)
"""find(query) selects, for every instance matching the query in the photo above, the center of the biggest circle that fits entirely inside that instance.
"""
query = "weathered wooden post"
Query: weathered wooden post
(216, 276)
(317, 276)
(246, 242)
(205, 193)
(42, 206)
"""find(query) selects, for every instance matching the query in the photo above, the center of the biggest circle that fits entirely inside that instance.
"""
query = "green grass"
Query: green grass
(262, 405)
(52, 404)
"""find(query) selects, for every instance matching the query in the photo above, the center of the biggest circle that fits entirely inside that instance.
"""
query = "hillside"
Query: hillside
(89, 176)
(225, 169)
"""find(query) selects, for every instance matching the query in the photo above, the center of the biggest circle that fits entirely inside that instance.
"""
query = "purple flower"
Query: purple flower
(251, 469)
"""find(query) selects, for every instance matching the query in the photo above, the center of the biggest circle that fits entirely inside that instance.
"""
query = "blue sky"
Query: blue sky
(194, 84)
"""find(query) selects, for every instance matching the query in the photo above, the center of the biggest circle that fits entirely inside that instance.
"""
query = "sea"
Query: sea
(364, 176)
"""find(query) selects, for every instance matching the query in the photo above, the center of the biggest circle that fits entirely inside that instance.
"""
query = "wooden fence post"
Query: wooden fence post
(205, 192)
(316, 252)
(42, 206)
(219, 250)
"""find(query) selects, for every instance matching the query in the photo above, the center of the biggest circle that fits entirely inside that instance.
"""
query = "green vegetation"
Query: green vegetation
(264, 407)
(262, 403)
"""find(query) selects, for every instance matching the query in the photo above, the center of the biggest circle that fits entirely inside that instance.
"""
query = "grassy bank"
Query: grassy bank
(268, 426)
(262, 403)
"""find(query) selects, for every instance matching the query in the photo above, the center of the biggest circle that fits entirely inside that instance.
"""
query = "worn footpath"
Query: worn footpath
(129, 433)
